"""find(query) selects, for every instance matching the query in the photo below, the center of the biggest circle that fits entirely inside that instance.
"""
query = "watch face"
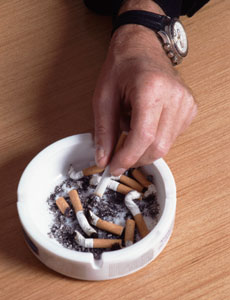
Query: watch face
(179, 38)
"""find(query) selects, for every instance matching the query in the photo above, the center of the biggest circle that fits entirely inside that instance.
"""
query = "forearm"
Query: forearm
(133, 39)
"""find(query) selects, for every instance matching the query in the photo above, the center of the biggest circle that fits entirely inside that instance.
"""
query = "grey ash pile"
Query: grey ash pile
(110, 207)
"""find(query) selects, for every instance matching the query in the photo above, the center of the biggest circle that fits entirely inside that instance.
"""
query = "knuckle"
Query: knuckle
(179, 93)
(99, 132)
(190, 101)
(147, 136)
(128, 162)
(161, 150)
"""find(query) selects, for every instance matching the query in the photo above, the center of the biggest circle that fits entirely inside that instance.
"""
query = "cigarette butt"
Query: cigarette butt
(106, 243)
(92, 170)
(82, 220)
(141, 226)
(105, 225)
(96, 243)
(105, 179)
(129, 232)
(123, 189)
(110, 227)
(119, 187)
(132, 183)
(63, 206)
(102, 185)
(75, 200)
(140, 177)
(121, 141)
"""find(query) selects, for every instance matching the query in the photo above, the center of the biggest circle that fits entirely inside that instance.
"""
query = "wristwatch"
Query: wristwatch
(169, 30)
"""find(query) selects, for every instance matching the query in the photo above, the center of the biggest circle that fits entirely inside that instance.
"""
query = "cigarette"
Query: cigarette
(63, 206)
(96, 243)
(135, 211)
(121, 141)
(83, 222)
(119, 187)
(105, 225)
(105, 179)
(85, 172)
(132, 183)
(96, 178)
(140, 177)
(102, 185)
(116, 186)
(129, 232)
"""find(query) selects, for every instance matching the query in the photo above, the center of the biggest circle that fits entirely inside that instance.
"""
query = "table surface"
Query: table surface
(51, 53)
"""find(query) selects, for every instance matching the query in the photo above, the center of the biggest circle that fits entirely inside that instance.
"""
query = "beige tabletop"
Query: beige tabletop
(50, 56)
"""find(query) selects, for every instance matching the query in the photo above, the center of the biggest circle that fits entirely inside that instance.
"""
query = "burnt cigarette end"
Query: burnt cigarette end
(116, 246)
(94, 235)
(88, 216)
(67, 212)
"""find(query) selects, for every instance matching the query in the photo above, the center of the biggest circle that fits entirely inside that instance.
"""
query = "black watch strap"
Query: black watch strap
(141, 17)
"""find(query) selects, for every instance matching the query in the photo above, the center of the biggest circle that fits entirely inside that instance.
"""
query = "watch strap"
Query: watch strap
(148, 19)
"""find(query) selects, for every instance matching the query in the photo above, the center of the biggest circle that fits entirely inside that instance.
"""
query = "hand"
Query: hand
(139, 91)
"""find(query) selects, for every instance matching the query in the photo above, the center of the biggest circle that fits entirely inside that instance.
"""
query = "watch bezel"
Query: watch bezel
(171, 36)
(169, 45)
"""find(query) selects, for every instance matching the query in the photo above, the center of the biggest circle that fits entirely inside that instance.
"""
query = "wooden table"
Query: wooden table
(51, 53)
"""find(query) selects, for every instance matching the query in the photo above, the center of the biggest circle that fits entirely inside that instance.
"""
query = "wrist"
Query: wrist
(147, 5)
(126, 34)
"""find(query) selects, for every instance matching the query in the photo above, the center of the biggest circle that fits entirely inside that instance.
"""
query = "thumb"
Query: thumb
(106, 122)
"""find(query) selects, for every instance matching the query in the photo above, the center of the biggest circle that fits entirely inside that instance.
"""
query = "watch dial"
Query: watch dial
(179, 38)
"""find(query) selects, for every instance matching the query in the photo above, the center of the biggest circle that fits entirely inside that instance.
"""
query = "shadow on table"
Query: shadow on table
(65, 91)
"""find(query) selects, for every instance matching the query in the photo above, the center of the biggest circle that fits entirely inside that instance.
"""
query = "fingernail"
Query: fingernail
(118, 172)
(100, 154)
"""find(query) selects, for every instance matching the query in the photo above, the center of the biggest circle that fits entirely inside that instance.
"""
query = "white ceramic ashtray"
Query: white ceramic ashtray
(45, 172)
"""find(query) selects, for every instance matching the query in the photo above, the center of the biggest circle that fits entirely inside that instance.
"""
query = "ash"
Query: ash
(110, 207)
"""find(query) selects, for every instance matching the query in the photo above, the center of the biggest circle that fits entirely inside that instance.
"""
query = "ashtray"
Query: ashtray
(46, 170)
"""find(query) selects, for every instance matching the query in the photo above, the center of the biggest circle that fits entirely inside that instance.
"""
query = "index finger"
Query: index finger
(144, 122)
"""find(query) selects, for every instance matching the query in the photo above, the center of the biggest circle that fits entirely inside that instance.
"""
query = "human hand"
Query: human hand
(138, 91)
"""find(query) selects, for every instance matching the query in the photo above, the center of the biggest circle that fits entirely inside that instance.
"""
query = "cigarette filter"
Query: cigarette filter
(121, 141)
(83, 222)
(129, 232)
(119, 187)
(63, 206)
(105, 225)
(85, 172)
(92, 170)
(132, 183)
(140, 177)
(135, 211)
(105, 179)
(75, 200)
(96, 243)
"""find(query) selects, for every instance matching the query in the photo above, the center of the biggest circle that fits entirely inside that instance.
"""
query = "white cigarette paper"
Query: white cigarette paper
(140, 222)
(134, 209)
(95, 179)
(87, 243)
(102, 185)
(106, 176)
(83, 222)
(105, 225)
